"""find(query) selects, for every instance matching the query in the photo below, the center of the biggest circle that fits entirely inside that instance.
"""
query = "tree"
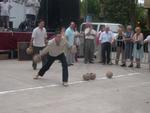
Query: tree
(119, 11)
(116, 11)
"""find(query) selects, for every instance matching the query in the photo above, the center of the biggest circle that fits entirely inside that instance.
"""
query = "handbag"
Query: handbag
(139, 45)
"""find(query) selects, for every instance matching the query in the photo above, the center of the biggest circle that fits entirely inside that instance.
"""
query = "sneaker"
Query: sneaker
(91, 62)
(36, 77)
(65, 84)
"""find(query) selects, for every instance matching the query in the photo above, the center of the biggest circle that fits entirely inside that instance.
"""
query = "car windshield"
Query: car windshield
(114, 28)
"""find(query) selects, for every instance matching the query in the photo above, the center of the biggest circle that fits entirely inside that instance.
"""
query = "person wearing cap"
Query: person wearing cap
(55, 50)
(90, 35)
(70, 36)
(106, 39)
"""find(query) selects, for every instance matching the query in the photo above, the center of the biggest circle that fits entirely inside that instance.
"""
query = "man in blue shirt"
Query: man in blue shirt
(106, 38)
(70, 35)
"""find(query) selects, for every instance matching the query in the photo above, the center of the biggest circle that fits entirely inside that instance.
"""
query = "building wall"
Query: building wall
(147, 3)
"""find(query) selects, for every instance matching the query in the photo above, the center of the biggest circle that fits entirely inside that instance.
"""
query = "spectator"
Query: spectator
(106, 39)
(77, 43)
(38, 41)
(120, 46)
(90, 35)
(102, 28)
(5, 13)
(147, 40)
(138, 46)
(70, 35)
(129, 45)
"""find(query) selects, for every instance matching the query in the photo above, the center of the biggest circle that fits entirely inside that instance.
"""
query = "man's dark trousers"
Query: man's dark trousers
(50, 61)
(106, 50)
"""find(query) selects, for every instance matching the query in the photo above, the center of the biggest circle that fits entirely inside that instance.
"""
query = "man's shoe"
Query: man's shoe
(65, 84)
(123, 65)
(137, 66)
(131, 65)
(36, 77)
(91, 62)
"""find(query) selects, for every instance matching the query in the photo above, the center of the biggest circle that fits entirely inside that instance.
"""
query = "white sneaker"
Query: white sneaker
(65, 84)
(36, 77)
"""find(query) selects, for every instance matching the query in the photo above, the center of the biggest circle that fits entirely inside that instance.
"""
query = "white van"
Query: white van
(113, 26)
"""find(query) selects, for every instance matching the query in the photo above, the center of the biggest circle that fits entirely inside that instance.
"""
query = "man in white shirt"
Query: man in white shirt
(90, 35)
(147, 40)
(55, 50)
(5, 13)
(38, 40)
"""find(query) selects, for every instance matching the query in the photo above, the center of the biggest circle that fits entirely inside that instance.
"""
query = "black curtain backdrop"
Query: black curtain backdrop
(57, 13)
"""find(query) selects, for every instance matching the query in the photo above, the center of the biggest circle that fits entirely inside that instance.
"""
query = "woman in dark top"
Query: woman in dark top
(120, 46)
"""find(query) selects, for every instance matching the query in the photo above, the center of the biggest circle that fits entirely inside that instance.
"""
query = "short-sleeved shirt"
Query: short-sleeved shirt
(106, 37)
(54, 49)
(5, 8)
(92, 33)
(30, 9)
(70, 35)
(39, 36)
(148, 39)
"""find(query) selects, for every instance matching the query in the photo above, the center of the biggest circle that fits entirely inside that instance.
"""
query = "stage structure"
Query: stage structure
(147, 6)
(58, 13)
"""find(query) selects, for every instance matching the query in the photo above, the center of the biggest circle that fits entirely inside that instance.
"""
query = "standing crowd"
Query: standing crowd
(65, 46)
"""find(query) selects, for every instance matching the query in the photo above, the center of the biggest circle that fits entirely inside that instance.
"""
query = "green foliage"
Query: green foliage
(118, 11)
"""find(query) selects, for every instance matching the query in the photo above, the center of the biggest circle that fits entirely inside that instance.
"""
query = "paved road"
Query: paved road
(127, 92)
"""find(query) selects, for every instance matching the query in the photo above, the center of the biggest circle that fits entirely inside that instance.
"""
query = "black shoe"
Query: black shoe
(85, 62)
(100, 62)
(70, 65)
(34, 67)
(91, 62)
(131, 65)
(123, 65)
(137, 66)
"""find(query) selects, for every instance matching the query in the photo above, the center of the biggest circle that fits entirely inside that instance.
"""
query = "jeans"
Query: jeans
(50, 60)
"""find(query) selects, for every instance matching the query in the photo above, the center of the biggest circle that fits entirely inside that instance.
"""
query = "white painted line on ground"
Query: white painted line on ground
(56, 85)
